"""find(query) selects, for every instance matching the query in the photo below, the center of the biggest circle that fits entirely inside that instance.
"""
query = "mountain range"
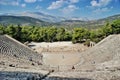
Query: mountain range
(41, 19)
(39, 15)
(89, 23)
(22, 20)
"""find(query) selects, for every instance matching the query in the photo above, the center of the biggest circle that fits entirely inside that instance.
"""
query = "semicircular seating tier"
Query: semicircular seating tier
(105, 52)
(12, 47)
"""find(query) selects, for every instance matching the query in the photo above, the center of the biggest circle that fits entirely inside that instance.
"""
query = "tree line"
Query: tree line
(52, 34)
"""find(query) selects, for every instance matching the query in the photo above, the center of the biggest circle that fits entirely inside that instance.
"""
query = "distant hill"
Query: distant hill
(110, 18)
(89, 24)
(39, 15)
(22, 20)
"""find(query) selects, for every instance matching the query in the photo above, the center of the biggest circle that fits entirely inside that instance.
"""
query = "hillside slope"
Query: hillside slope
(38, 15)
(90, 23)
(22, 20)
(42, 16)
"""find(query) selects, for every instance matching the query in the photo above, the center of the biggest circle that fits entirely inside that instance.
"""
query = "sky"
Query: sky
(90, 9)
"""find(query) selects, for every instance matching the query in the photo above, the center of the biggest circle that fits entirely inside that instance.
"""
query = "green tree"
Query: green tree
(26, 33)
(43, 34)
(51, 34)
(60, 34)
(17, 34)
(67, 36)
(10, 30)
(34, 35)
(2, 29)
(116, 26)
(107, 29)
(80, 34)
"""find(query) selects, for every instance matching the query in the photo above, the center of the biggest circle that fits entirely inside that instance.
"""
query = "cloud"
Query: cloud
(69, 9)
(23, 5)
(94, 3)
(102, 10)
(100, 3)
(15, 3)
(56, 4)
(38, 7)
(30, 1)
(100, 6)
(12, 2)
(9, 2)
(74, 1)
(60, 3)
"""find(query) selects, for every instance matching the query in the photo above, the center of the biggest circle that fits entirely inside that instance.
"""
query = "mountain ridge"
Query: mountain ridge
(90, 23)
(26, 20)
(22, 20)
(39, 15)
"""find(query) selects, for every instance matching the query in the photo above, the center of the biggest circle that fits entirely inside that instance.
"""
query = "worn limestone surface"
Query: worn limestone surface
(101, 62)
